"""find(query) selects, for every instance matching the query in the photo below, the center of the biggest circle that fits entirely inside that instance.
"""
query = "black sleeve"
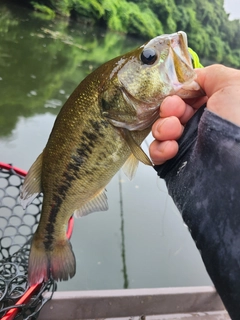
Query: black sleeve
(204, 182)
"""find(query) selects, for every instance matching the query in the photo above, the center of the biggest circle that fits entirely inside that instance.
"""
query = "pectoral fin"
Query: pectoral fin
(32, 183)
(135, 148)
(130, 166)
(98, 203)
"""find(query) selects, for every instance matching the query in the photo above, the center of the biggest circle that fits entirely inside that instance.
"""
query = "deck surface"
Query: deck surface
(188, 303)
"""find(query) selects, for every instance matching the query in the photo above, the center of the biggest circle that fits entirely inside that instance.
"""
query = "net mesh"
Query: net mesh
(16, 229)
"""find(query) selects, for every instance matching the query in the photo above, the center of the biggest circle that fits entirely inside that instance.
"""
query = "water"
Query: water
(141, 241)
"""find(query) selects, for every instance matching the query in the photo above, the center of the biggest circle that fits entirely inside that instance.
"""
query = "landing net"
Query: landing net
(17, 299)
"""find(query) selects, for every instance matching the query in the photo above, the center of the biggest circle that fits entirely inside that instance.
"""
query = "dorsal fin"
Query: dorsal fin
(32, 183)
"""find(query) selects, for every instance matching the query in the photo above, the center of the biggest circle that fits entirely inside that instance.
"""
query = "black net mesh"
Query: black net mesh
(16, 229)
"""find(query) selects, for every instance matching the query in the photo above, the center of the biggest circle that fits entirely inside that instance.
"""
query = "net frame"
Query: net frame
(17, 299)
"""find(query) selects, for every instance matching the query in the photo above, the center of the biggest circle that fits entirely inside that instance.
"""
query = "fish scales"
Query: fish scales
(77, 155)
(99, 130)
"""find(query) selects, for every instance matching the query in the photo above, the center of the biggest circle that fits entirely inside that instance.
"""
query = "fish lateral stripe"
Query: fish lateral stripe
(50, 226)
(98, 126)
(91, 136)
(49, 238)
(70, 175)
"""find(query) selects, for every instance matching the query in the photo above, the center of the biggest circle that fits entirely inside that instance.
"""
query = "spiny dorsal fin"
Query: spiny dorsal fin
(32, 183)
(98, 203)
(130, 167)
(136, 149)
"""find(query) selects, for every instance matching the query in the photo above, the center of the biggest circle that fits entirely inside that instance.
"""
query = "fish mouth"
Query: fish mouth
(176, 67)
(184, 36)
(179, 67)
(179, 49)
(178, 43)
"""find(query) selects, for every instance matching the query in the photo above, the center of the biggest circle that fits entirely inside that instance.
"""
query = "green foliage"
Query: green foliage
(6, 22)
(43, 9)
(123, 16)
(90, 9)
(62, 7)
(129, 18)
(209, 30)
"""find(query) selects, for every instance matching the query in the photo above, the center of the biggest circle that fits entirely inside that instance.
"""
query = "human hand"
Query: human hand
(222, 87)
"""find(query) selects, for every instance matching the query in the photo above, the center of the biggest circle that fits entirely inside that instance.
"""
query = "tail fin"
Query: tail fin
(58, 263)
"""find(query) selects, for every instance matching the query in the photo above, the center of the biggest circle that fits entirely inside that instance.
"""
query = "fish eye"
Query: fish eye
(148, 56)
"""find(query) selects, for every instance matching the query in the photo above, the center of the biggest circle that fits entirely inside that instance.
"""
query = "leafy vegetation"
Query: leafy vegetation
(210, 32)
(42, 61)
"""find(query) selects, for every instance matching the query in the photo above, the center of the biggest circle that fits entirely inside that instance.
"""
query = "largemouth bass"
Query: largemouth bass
(100, 129)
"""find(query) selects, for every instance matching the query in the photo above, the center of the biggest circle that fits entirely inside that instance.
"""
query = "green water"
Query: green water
(140, 242)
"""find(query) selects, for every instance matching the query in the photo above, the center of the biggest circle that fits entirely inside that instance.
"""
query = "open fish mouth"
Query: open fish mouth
(175, 39)
(182, 75)
(179, 44)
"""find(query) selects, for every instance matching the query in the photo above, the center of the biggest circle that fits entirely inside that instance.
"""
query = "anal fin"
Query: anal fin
(98, 203)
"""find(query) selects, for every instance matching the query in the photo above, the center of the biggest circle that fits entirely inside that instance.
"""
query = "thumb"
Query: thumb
(217, 77)
(222, 87)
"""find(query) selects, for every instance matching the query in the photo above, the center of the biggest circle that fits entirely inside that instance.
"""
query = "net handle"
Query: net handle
(27, 295)
(10, 315)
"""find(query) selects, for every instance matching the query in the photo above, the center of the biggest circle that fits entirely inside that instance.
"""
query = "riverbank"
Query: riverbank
(209, 30)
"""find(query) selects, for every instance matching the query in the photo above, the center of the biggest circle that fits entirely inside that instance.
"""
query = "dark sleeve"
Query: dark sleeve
(204, 182)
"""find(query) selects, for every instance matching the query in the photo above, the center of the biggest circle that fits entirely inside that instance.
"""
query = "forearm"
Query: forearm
(204, 183)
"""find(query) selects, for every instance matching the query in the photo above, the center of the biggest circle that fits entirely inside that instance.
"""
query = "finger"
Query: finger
(172, 106)
(189, 112)
(167, 129)
(222, 85)
(175, 106)
(162, 151)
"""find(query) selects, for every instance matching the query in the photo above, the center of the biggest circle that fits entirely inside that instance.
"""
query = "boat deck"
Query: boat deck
(136, 304)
